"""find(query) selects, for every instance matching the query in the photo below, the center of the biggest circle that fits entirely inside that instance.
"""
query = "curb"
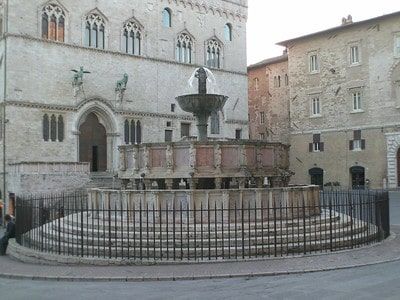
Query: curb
(380, 247)
(184, 278)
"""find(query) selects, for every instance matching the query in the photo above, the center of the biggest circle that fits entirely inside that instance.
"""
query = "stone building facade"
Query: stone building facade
(53, 114)
(344, 104)
(269, 100)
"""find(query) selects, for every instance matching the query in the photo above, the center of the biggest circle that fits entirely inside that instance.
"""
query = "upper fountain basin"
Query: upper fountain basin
(196, 103)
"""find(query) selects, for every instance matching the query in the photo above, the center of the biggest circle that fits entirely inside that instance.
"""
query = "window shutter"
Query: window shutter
(316, 138)
(357, 134)
(310, 147)
(321, 147)
(351, 145)
(363, 144)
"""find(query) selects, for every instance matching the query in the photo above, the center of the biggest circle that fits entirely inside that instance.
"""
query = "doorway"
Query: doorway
(93, 144)
(357, 174)
(317, 176)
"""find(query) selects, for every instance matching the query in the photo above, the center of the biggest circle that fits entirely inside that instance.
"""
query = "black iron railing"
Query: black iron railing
(66, 225)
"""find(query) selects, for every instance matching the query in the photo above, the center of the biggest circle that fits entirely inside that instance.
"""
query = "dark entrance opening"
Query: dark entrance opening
(357, 177)
(317, 176)
(93, 144)
(398, 167)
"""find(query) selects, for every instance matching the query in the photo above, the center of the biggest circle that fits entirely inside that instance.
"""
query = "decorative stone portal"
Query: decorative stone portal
(393, 146)
(93, 144)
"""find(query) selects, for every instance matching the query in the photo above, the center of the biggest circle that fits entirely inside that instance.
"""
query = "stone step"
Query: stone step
(212, 252)
(134, 231)
(185, 240)
(116, 225)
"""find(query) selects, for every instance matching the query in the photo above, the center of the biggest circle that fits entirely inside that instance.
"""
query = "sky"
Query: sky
(273, 21)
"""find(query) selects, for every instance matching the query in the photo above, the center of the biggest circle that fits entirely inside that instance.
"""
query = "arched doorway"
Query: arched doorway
(357, 177)
(317, 176)
(93, 143)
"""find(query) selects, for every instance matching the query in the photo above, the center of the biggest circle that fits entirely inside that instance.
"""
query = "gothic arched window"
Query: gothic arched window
(53, 128)
(53, 23)
(167, 17)
(228, 32)
(138, 132)
(132, 132)
(214, 54)
(126, 132)
(60, 128)
(184, 49)
(132, 39)
(46, 126)
(215, 122)
(95, 31)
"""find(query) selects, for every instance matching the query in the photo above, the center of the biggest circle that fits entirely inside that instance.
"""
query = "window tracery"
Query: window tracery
(53, 23)
(132, 38)
(95, 31)
(184, 48)
(214, 54)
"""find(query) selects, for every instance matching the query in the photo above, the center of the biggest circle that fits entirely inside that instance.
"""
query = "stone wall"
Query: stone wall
(294, 202)
(38, 177)
(375, 77)
(269, 95)
(39, 77)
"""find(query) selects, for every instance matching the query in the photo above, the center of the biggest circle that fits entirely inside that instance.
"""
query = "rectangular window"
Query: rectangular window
(185, 129)
(357, 144)
(256, 84)
(315, 106)
(172, 107)
(397, 46)
(316, 145)
(168, 135)
(286, 79)
(357, 101)
(262, 117)
(354, 55)
(238, 134)
(314, 63)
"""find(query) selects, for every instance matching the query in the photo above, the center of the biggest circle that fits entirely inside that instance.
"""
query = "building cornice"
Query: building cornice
(118, 53)
(123, 112)
(345, 129)
(215, 10)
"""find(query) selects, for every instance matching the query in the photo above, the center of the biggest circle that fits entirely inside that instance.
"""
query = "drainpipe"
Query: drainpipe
(5, 32)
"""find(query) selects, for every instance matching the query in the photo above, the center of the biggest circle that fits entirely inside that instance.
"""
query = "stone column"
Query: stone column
(135, 159)
(242, 183)
(193, 183)
(169, 159)
(122, 158)
(217, 158)
(218, 183)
